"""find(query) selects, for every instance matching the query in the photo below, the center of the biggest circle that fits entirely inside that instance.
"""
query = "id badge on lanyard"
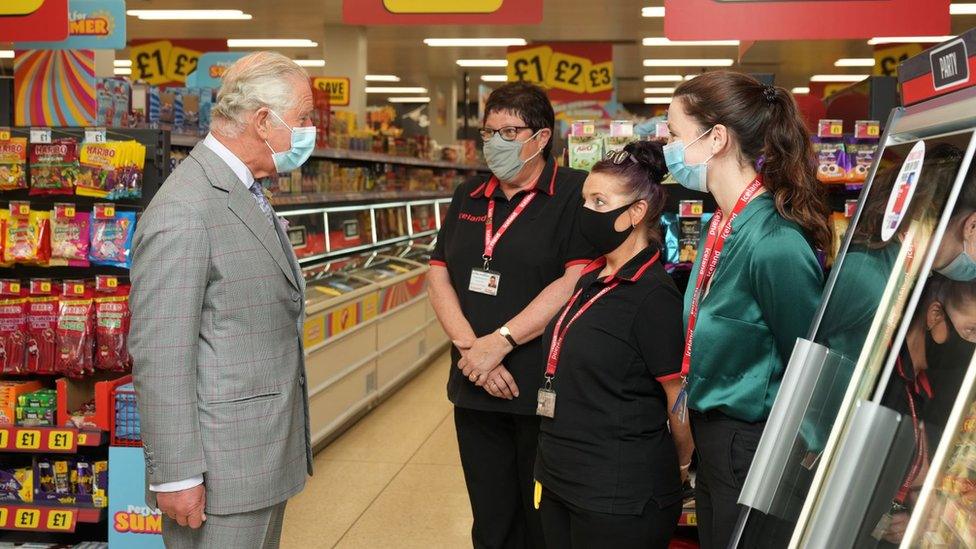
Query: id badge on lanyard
(485, 280)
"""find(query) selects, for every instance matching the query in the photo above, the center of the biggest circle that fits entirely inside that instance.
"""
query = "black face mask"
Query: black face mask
(947, 365)
(955, 353)
(598, 228)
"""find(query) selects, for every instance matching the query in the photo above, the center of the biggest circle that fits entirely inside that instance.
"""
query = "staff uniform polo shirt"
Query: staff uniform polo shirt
(531, 255)
(763, 297)
(608, 448)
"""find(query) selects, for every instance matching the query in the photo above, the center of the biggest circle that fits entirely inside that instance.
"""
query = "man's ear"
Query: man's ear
(262, 123)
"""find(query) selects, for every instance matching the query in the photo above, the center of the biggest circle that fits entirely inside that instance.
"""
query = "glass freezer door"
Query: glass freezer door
(873, 283)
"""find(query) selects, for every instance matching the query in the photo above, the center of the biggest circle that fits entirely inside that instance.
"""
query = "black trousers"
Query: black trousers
(569, 527)
(498, 456)
(725, 448)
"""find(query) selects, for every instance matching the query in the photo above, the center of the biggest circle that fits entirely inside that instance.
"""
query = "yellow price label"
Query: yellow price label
(78, 289)
(61, 440)
(600, 77)
(442, 6)
(836, 129)
(23, 209)
(182, 61)
(28, 440)
(45, 287)
(150, 61)
(4, 135)
(4, 438)
(692, 519)
(27, 519)
(529, 65)
(697, 209)
(874, 130)
(112, 282)
(109, 211)
(20, 7)
(69, 211)
(568, 72)
(60, 520)
(4, 515)
(82, 439)
(15, 287)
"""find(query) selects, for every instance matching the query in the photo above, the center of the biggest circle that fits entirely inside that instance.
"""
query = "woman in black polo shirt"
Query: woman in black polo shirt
(507, 258)
(610, 469)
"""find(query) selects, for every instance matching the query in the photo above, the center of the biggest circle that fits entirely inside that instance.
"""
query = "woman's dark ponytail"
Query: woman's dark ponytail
(767, 126)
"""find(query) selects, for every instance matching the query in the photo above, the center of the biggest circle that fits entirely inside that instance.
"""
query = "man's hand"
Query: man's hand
(185, 507)
(501, 384)
(485, 354)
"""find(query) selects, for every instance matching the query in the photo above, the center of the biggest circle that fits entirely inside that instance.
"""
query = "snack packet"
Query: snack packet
(4, 223)
(111, 236)
(54, 167)
(13, 326)
(112, 328)
(75, 332)
(42, 324)
(97, 173)
(130, 170)
(13, 162)
(70, 234)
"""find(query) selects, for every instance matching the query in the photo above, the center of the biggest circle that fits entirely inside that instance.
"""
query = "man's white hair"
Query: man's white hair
(261, 79)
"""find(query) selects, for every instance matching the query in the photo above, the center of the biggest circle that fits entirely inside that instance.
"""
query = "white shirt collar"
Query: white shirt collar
(229, 158)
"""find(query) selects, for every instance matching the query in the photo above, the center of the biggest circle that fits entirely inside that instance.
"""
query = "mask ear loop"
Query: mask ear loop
(537, 153)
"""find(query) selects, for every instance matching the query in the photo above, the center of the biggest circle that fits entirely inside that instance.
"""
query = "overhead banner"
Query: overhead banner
(442, 12)
(571, 71)
(54, 88)
(211, 67)
(92, 25)
(168, 62)
(22, 20)
(797, 19)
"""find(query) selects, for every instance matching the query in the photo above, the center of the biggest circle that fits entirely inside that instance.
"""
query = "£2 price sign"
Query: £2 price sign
(571, 71)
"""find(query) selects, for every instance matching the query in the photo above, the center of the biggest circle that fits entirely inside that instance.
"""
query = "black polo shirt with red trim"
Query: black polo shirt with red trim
(608, 448)
(533, 253)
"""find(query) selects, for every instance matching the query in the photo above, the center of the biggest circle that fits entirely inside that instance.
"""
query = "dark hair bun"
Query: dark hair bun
(650, 156)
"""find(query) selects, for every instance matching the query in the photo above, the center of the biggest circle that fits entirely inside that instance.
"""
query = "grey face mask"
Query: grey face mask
(503, 156)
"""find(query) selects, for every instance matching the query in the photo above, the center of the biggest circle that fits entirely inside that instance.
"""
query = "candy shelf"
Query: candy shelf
(64, 440)
(28, 517)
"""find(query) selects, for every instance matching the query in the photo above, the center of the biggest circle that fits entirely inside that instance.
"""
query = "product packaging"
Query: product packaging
(13, 326)
(54, 167)
(112, 318)
(127, 183)
(861, 150)
(832, 160)
(13, 161)
(28, 235)
(70, 236)
(76, 331)
(585, 151)
(9, 393)
(42, 324)
(111, 236)
(113, 96)
(17, 485)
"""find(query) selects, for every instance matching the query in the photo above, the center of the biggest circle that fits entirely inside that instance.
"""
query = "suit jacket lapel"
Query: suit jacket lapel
(242, 203)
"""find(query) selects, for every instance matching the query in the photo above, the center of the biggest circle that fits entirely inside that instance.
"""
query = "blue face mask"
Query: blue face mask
(302, 145)
(962, 268)
(693, 176)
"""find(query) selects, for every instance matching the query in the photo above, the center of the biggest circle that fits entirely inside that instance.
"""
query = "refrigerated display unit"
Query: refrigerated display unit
(853, 452)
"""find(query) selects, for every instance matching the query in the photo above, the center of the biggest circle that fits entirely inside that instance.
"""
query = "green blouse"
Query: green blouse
(763, 297)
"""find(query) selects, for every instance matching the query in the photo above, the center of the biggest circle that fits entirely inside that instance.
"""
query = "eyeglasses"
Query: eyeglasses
(618, 157)
(508, 133)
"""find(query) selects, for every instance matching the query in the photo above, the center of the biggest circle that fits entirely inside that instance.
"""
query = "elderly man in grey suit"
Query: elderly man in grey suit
(218, 307)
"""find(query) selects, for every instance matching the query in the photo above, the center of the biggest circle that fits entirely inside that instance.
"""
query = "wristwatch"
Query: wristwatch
(507, 334)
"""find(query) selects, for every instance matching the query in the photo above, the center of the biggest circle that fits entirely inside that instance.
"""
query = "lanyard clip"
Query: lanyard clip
(548, 385)
(487, 264)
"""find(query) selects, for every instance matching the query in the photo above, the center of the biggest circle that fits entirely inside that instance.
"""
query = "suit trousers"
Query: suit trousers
(498, 457)
(725, 447)
(259, 529)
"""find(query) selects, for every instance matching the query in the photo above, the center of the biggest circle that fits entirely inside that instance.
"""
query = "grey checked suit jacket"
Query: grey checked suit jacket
(218, 312)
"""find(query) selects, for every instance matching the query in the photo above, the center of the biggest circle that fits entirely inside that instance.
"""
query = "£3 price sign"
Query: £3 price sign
(568, 68)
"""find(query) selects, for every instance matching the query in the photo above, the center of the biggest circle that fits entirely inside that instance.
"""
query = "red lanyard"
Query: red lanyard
(492, 240)
(709, 263)
(921, 444)
(559, 333)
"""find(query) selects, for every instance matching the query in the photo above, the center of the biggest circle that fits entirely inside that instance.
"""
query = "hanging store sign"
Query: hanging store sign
(211, 67)
(337, 87)
(33, 20)
(945, 68)
(442, 12)
(92, 25)
(888, 57)
(765, 20)
(570, 71)
(169, 62)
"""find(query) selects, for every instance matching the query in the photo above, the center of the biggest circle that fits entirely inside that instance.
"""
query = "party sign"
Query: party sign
(33, 20)
(92, 25)
(54, 87)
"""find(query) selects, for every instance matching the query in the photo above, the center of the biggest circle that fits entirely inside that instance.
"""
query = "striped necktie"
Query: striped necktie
(262, 201)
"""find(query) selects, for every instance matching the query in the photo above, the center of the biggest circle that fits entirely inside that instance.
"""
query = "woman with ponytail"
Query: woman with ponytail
(757, 282)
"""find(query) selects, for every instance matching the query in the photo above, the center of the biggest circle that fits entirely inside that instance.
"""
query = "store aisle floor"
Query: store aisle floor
(393, 480)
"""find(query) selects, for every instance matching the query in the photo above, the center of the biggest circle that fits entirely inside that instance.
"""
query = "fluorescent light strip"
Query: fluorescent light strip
(122, 63)
(651, 91)
(382, 78)
(801, 90)
(474, 42)
(653, 11)
(409, 100)
(657, 100)
(396, 89)
(271, 43)
(309, 62)
(962, 9)
(838, 77)
(661, 41)
(487, 63)
(494, 78)
(6, 54)
(855, 62)
(688, 62)
(908, 40)
(123, 71)
(663, 78)
(190, 15)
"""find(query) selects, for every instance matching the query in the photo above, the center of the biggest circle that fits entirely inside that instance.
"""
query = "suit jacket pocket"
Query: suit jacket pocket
(253, 399)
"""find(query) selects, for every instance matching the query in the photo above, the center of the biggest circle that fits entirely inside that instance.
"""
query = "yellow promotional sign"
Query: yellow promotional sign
(442, 6)
(314, 331)
(182, 61)
(887, 59)
(568, 72)
(600, 77)
(529, 65)
(150, 61)
(19, 7)
(336, 86)
(344, 319)
(371, 306)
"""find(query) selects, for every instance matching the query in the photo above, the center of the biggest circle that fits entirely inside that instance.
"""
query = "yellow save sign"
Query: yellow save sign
(336, 86)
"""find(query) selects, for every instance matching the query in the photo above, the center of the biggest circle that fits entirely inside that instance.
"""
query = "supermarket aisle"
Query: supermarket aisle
(393, 480)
